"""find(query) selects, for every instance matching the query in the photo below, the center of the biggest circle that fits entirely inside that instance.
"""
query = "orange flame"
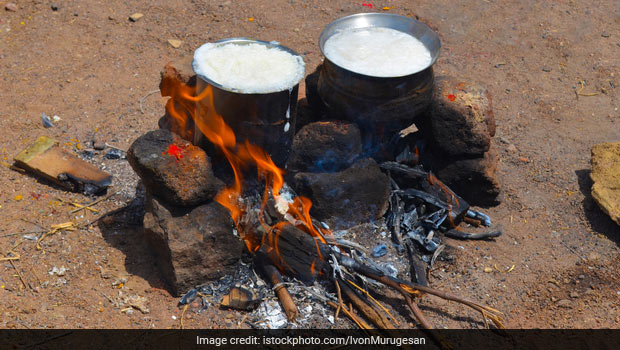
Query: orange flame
(181, 107)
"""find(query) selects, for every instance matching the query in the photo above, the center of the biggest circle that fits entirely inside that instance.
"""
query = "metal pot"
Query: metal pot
(264, 119)
(381, 106)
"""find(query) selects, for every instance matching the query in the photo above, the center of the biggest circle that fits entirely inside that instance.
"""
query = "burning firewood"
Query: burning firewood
(281, 235)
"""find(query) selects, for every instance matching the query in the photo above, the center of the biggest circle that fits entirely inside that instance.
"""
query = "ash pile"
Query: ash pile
(406, 195)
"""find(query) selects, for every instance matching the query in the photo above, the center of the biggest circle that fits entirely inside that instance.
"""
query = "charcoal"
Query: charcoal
(113, 154)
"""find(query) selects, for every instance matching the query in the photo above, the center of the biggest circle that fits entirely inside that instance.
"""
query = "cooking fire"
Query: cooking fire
(238, 156)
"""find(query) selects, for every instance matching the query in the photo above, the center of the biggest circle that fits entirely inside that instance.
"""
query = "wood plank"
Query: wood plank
(46, 159)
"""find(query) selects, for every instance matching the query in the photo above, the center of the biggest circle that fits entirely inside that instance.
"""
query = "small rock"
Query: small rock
(191, 245)
(113, 154)
(461, 120)
(11, 7)
(606, 177)
(54, 7)
(379, 251)
(136, 17)
(474, 179)
(546, 69)
(88, 153)
(574, 295)
(605, 35)
(565, 303)
(173, 168)
(99, 146)
(47, 123)
(327, 146)
(345, 197)
(511, 149)
(488, 270)
(175, 43)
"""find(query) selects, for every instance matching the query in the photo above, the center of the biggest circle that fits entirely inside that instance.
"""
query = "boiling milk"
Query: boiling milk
(249, 68)
(377, 51)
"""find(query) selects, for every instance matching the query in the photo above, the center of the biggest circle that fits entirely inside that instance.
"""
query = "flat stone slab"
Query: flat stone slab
(606, 177)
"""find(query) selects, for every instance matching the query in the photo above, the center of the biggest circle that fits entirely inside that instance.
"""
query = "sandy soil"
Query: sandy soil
(91, 66)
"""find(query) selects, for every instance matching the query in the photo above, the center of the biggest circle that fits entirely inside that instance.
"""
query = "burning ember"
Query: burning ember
(283, 238)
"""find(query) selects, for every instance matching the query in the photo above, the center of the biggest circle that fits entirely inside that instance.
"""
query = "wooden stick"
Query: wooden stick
(283, 295)
(21, 277)
(375, 317)
(360, 323)
(94, 202)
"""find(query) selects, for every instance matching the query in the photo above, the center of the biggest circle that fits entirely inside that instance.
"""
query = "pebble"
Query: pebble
(11, 7)
(379, 251)
(136, 17)
(113, 154)
(546, 69)
(175, 43)
(564, 303)
(54, 7)
(488, 269)
(99, 146)
(574, 295)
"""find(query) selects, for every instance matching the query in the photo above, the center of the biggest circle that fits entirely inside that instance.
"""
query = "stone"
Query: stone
(355, 195)
(54, 7)
(173, 168)
(461, 120)
(474, 179)
(325, 147)
(136, 17)
(191, 245)
(606, 177)
(565, 303)
(175, 43)
(11, 7)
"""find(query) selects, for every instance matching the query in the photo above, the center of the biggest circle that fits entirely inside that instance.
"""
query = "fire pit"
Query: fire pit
(276, 221)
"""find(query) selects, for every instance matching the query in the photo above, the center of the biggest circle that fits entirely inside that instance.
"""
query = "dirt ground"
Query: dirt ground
(91, 66)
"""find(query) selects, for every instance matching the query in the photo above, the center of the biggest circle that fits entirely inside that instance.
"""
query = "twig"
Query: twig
(183, 314)
(69, 226)
(94, 202)
(371, 313)
(579, 93)
(144, 98)
(35, 275)
(454, 233)
(283, 295)
(78, 205)
(115, 147)
(21, 277)
(11, 258)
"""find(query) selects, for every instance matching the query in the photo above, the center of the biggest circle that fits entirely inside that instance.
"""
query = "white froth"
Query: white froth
(377, 51)
(249, 68)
